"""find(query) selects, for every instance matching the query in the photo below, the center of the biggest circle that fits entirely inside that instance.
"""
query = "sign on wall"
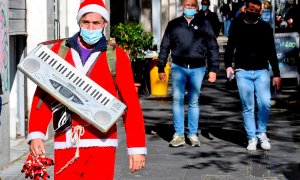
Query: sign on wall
(287, 47)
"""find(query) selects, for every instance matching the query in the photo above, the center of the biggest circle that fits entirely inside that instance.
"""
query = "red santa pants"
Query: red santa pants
(93, 163)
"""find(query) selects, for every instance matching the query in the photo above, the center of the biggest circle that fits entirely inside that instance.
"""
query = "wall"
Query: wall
(146, 17)
(156, 22)
(17, 40)
(163, 11)
(67, 17)
(36, 13)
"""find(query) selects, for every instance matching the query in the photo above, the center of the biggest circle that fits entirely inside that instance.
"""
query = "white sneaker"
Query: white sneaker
(264, 141)
(252, 143)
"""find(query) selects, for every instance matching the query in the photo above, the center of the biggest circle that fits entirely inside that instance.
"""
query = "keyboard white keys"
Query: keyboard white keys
(72, 88)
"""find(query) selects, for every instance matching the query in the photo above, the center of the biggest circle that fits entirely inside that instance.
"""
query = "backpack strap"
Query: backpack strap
(111, 60)
(63, 49)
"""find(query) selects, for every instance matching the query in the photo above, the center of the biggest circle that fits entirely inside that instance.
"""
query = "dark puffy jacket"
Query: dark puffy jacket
(190, 44)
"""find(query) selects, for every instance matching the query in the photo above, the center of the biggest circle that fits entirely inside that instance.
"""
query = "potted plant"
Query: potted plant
(132, 37)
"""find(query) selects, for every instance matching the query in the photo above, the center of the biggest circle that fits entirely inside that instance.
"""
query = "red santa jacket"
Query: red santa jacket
(133, 119)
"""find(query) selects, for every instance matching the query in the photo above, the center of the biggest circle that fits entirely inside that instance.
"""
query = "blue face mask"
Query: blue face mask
(189, 13)
(91, 36)
(204, 7)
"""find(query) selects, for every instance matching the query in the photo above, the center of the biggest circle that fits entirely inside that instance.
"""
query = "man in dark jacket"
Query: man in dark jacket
(191, 40)
(227, 16)
(251, 45)
(212, 17)
(293, 18)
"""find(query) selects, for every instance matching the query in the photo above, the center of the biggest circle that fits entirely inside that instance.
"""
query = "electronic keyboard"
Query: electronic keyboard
(72, 88)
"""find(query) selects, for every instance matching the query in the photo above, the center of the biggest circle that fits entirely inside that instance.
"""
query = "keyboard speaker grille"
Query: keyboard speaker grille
(32, 65)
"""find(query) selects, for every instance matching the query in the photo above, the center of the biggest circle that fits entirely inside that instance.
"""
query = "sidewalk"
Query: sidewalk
(222, 155)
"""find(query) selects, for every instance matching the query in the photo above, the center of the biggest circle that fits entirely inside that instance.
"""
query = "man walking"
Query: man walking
(251, 45)
(81, 150)
(191, 40)
(212, 17)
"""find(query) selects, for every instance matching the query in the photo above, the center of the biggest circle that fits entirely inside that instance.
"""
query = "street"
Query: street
(222, 154)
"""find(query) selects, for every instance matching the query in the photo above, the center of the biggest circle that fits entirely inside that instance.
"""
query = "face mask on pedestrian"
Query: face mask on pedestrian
(189, 13)
(252, 16)
(204, 7)
(91, 36)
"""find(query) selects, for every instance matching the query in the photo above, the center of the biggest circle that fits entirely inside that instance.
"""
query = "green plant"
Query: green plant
(132, 37)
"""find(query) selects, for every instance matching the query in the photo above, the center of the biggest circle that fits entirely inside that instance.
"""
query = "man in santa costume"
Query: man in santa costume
(82, 151)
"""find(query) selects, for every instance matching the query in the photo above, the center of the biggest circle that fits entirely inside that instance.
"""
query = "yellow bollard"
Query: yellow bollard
(158, 87)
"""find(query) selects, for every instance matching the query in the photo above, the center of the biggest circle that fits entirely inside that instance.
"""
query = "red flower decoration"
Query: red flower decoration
(35, 167)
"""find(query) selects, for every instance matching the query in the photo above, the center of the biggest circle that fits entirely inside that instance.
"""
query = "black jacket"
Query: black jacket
(189, 44)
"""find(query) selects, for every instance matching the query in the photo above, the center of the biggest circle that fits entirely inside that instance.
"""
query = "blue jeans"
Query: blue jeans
(192, 78)
(227, 26)
(250, 83)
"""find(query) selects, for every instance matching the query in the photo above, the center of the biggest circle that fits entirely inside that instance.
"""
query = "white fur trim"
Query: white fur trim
(93, 8)
(78, 64)
(141, 150)
(88, 143)
(35, 135)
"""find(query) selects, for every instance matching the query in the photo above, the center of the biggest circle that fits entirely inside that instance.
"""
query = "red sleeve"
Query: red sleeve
(133, 119)
(40, 114)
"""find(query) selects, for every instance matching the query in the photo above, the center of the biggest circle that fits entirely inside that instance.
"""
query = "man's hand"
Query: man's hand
(230, 73)
(290, 22)
(162, 76)
(37, 147)
(212, 77)
(136, 162)
(277, 82)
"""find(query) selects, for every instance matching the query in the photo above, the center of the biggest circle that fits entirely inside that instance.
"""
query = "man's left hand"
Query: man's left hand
(136, 162)
(212, 77)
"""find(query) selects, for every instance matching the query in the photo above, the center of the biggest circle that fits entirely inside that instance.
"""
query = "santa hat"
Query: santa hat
(97, 6)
